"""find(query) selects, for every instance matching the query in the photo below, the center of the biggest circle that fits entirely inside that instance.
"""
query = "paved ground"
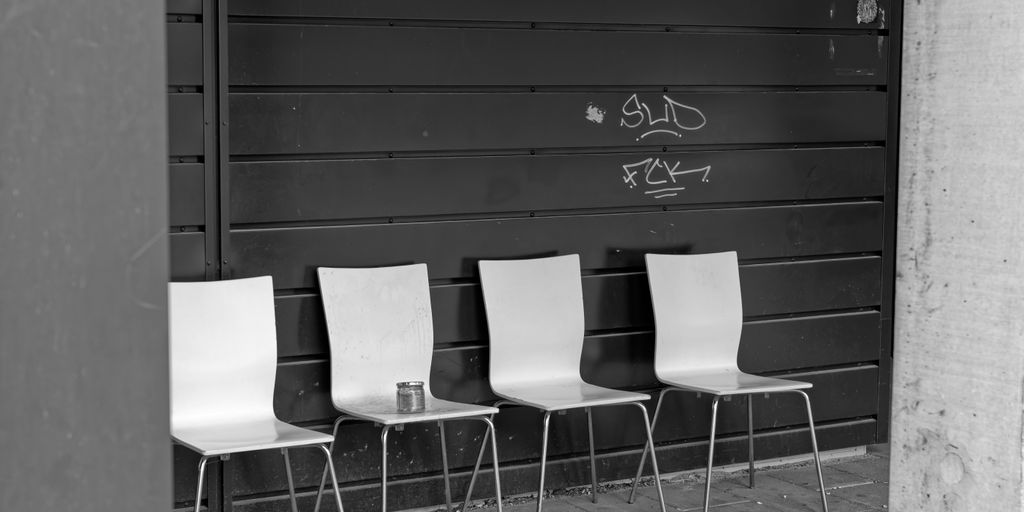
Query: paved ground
(854, 483)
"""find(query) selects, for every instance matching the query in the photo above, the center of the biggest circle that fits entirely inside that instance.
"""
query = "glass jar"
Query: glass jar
(409, 396)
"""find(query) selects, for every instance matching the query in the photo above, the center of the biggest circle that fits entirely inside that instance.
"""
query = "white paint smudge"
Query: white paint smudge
(595, 114)
(867, 11)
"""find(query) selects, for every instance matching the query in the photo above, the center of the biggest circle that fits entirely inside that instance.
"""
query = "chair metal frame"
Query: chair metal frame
(535, 319)
(381, 332)
(698, 315)
(223, 361)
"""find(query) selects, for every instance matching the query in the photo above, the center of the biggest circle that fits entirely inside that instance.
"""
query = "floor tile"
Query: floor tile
(874, 495)
(870, 467)
(806, 476)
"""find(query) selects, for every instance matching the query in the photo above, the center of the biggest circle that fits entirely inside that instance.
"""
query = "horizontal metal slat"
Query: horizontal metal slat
(452, 248)
(184, 54)
(184, 6)
(325, 123)
(840, 14)
(266, 192)
(331, 55)
(185, 124)
(188, 256)
(187, 192)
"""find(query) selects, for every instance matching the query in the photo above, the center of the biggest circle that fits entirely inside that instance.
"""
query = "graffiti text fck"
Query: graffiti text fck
(660, 177)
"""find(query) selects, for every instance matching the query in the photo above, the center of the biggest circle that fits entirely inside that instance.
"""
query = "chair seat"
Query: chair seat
(729, 382)
(558, 395)
(383, 411)
(247, 436)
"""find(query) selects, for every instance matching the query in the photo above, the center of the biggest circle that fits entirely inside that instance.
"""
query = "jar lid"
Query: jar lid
(410, 383)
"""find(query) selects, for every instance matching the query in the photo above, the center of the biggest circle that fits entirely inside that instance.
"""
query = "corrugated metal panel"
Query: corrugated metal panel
(383, 132)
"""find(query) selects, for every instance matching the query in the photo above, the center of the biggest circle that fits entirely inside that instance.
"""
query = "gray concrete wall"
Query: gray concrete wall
(83, 257)
(959, 318)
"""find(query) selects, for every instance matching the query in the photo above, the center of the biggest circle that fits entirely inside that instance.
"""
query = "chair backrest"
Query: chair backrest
(223, 351)
(698, 311)
(535, 319)
(380, 329)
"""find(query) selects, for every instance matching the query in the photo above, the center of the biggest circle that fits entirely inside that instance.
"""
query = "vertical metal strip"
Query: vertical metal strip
(214, 33)
(211, 226)
(894, 22)
(223, 139)
(222, 203)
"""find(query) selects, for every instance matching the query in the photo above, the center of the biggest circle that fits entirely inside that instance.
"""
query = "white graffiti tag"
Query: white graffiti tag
(675, 118)
(659, 177)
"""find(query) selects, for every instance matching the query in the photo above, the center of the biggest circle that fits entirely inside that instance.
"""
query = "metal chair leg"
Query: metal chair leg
(476, 468)
(494, 457)
(750, 436)
(593, 460)
(711, 452)
(643, 456)
(444, 468)
(334, 476)
(291, 481)
(199, 483)
(384, 468)
(814, 446)
(543, 460)
(654, 458)
(488, 433)
(323, 477)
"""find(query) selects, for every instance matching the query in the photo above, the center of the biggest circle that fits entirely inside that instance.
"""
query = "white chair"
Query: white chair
(698, 316)
(381, 333)
(535, 319)
(223, 361)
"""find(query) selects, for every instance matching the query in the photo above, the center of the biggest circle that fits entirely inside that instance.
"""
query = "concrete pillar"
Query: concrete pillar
(83, 257)
(959, 315)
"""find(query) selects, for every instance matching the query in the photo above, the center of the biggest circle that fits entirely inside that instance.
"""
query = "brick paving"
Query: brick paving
(853, 483)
